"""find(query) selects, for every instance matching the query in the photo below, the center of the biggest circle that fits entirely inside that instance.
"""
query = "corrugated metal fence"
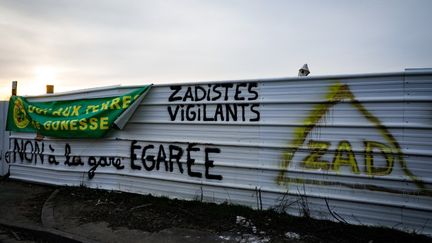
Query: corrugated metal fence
(350, 148)
(4, 138)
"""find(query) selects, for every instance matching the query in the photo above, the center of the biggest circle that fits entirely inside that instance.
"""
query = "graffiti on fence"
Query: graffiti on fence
(232, 102)
(344, 155)
(149, 157)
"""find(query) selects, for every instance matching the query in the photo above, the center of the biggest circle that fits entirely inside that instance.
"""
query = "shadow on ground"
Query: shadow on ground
(106, 216)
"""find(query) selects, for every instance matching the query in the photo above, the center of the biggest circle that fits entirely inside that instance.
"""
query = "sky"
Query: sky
(79, 44)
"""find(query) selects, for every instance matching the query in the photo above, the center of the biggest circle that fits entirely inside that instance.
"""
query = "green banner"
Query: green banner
(85, 118)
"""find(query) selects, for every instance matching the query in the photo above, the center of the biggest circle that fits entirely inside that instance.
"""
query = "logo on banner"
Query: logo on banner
(19, 114)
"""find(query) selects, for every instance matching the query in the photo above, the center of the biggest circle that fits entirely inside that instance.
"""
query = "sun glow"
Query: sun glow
(34, 82)
(42, 75)
(45, 74)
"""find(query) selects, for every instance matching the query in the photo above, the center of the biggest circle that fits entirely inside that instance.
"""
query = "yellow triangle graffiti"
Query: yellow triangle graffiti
(337, 93)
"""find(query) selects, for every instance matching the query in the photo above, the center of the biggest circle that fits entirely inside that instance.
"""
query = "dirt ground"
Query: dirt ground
(13, 235)
(148, 213)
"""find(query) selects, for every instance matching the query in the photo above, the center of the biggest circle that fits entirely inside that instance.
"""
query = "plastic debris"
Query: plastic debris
(292, 235)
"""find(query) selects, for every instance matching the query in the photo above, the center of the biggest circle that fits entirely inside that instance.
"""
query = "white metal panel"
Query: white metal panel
(4, 138)
(83, 94)
(360, 143)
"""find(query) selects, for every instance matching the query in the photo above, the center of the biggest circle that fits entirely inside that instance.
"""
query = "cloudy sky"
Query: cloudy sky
(78, 44)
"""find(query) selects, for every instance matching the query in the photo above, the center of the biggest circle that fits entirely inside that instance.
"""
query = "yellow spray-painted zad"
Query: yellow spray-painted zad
(355, 146)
